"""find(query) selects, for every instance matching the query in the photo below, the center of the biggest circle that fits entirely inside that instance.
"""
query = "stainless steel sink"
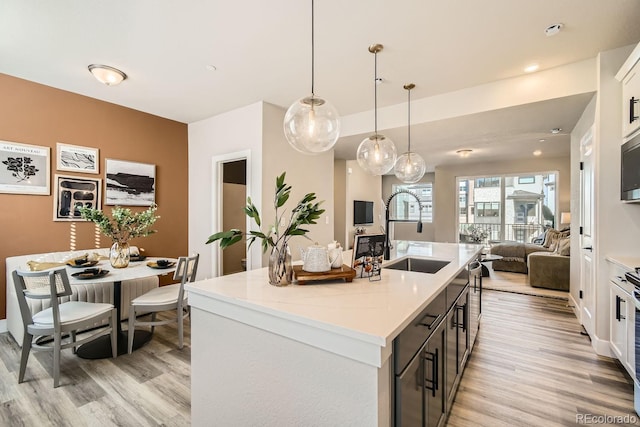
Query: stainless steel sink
(418, 264)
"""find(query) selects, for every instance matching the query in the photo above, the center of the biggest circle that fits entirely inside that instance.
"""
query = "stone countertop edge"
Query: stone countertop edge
(625, 261)
(358, 319)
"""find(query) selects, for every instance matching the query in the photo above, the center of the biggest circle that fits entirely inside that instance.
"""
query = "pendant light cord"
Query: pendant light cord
(375, 93)
(312, 49)
(409, 120)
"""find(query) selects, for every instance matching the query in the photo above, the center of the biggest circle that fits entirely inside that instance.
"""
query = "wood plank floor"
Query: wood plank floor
(530, 367)
(150, 387)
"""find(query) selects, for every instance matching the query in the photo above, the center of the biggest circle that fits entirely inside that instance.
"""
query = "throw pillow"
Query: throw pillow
(564, 247)
(548, 238)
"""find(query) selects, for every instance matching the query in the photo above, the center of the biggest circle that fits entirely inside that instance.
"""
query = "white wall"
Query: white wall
(446, 191)
(360, 185)
(617, 225)
(340, 201)
(305, 173)
(226, 133)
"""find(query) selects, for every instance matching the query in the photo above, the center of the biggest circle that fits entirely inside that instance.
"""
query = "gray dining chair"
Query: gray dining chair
(60, 322)
(165, 298)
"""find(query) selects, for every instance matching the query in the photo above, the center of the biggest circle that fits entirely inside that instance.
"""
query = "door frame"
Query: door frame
(217, 181)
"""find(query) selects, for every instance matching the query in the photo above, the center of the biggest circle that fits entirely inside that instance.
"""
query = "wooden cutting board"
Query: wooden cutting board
(345, 272)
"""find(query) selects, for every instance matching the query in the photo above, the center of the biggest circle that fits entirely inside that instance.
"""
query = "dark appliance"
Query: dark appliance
(634, 279)
(630, 170)
(362, 212)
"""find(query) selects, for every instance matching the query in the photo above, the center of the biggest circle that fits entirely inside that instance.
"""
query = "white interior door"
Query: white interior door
(587, 266)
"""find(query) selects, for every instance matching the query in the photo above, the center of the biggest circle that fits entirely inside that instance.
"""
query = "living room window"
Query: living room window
(405, 207)
(514, 207)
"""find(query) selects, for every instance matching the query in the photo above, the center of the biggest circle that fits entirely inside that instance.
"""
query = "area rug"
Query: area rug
(518, 283)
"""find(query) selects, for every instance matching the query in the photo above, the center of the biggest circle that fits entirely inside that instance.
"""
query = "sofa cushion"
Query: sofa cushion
(564, 246)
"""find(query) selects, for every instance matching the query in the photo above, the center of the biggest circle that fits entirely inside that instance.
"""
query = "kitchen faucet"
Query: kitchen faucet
(387, 246)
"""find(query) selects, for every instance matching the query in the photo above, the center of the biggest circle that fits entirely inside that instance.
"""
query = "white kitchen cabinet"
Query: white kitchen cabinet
(631, 101)
(622, 318)
(629, 77)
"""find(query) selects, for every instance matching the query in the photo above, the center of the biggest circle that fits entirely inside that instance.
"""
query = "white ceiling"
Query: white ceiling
(261, 50)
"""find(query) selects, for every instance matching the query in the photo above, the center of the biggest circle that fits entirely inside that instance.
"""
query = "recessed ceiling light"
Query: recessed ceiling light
(553, 29)
(541, 140)
(211, 67)
(537, 153)
(556, 130)
(531, 68)
(464, 153)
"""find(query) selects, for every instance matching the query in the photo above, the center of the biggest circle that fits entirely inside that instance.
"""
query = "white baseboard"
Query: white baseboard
(3, 326)
(575, 306)
(602, 347)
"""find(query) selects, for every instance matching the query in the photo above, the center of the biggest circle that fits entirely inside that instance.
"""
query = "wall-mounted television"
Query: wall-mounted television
(362, 212)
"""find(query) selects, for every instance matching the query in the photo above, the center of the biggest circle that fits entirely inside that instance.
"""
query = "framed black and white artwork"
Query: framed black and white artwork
(24, 169)
(71, 193)
(74, 158)
(129, 183)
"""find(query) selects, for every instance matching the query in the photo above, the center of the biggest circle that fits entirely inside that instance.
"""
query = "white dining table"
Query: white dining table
(101, 347)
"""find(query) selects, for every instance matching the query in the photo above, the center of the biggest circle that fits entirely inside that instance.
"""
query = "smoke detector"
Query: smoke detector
(552, 30)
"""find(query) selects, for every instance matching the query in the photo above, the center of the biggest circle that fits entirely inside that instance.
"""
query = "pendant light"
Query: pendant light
(312, 124)
(410, 167)
(377, 153)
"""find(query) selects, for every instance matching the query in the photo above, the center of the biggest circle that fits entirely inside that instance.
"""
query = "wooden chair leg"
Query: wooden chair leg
(132, 328)
(26, 349)
(57, 340)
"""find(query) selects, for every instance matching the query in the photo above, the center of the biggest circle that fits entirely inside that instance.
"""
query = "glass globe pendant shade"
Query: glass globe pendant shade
(376, 154)
(312, 125)
(410, 167)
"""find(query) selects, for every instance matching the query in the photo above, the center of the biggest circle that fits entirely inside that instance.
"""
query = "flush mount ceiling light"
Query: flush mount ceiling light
(312, 125)
(553, 29)
(464, 153)
(106, 74)
(410, 167)
(537, 153)
(376, 154)
(531, 68)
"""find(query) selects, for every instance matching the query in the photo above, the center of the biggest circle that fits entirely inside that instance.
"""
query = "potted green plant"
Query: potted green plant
(123, 226)
(274, 237)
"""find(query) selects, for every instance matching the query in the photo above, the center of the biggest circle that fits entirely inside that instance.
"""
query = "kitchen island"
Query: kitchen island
(307, 355)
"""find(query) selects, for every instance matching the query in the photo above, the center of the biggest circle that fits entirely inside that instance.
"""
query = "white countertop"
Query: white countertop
(625, 261)
(336, 315)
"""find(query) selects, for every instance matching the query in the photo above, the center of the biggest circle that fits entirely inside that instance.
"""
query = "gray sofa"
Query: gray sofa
(548, 264)
(514, 256)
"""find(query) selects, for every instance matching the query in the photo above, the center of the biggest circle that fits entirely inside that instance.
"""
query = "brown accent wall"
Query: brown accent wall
(35, 114)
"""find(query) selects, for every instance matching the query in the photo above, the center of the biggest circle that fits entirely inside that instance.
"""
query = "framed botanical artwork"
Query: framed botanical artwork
(24, 169)
(71, 193)
(129, 183)
(74, 158)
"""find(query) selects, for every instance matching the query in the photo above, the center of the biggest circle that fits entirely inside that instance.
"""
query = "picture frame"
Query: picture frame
(71, 192)
(74, 158)
(129, 183)
(24, 169)
(368, 254)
